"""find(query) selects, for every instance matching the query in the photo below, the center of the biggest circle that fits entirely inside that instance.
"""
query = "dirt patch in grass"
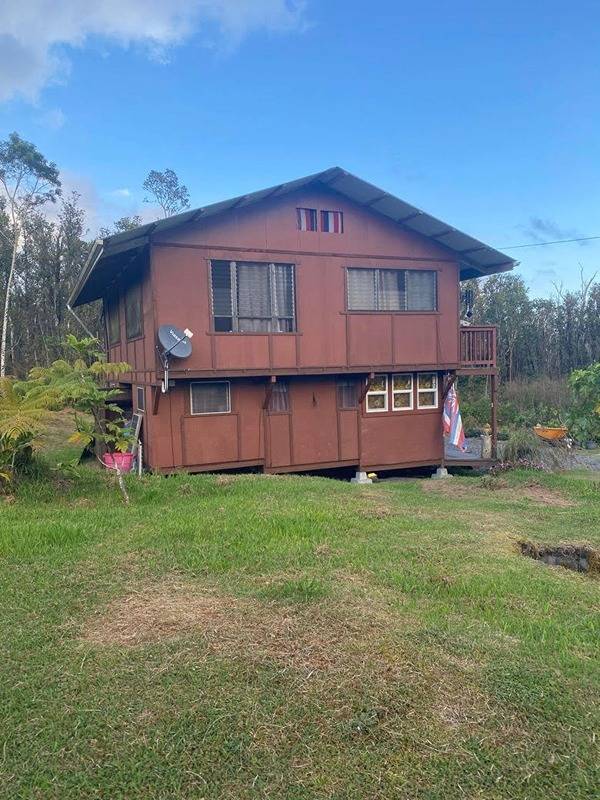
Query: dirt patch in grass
(500, 489)
(316, 636)
(334, 650)
(576, 557)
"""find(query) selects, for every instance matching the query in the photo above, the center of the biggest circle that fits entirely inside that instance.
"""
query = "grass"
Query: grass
(297, 637)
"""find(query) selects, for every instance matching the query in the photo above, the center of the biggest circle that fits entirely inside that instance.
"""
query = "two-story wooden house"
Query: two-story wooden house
(325, 315)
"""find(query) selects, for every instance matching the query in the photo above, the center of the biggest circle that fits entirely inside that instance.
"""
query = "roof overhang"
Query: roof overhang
(475, 258)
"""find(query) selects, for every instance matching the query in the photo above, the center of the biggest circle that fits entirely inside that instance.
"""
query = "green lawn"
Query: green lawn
(296, 637)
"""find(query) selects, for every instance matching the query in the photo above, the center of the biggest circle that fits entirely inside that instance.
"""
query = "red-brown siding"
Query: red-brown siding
(328, 341)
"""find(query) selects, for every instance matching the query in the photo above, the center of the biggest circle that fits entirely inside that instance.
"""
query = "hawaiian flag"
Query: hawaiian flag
(307, 219)
(332, 221)
(452, 421)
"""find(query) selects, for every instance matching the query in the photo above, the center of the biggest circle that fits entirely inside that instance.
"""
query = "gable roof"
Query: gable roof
(476, 258)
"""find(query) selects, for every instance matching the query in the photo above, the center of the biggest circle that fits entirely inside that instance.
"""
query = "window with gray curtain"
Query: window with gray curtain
(347, 392)
(253, 297)
(210, 397)
(111, 314)
(133, 311)
(279, 401)
(392, 289)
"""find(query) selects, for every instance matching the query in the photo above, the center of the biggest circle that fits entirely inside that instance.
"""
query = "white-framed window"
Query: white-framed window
(402, 391)
(210, 397)
(377, 395)
(140, 397)
(427, 390)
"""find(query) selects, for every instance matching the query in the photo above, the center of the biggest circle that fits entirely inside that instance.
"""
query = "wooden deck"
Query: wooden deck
(477, 349)
(469, 458)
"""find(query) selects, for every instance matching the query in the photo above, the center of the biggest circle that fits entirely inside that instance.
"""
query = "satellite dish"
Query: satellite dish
(173, 342)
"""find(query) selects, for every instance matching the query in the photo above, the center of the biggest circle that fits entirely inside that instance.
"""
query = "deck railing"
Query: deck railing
(478, 346)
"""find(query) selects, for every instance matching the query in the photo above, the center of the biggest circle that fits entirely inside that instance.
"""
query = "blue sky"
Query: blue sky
(483, 114)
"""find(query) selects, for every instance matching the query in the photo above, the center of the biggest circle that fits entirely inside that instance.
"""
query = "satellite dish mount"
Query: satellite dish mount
(175, 343)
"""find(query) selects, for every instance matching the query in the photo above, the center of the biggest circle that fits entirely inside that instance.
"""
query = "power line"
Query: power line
(556, 241)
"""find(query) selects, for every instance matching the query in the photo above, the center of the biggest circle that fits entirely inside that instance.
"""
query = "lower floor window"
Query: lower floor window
(140, 399)
(210, 397)
(377, 395)
(347, 392)
(400, 390)
(279, 400)
(427, 390)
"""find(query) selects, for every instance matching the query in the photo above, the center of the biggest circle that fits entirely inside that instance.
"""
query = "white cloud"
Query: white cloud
(35, 33)
(53, 119)
(121, 193)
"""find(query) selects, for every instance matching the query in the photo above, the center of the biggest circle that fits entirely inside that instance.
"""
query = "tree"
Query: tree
(27, 180)
(79, 383)
(165, 189)
(122, 225)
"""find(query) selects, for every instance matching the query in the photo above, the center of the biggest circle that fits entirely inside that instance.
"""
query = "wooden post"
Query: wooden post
(494, 398)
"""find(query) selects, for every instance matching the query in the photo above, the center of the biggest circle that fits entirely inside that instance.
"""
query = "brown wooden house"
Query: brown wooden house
(326, 325)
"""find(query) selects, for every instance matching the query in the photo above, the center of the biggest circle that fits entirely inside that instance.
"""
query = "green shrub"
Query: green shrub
(584, 417)
(523, 445)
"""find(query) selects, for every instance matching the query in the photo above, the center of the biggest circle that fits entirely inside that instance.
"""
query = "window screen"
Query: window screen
(133, 311)
(421, 290)
(253, 297)
(113, 328)
(347, 391)
(391, 290)
(140, 398)
(210, 397)
(279, 401)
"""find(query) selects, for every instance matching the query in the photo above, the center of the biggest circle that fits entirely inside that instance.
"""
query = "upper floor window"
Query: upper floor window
(111, 314)
(307, 219)
(392, 289)
(253, 296)
(332, 221)
(133, 311)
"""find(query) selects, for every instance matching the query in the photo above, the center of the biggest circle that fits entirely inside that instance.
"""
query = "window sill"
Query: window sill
(404, 413)
(209, 414)
(393, 313)
(253, 333)
(134, 338)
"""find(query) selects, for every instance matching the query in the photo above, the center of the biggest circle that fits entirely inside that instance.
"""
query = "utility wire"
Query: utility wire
(556, 241)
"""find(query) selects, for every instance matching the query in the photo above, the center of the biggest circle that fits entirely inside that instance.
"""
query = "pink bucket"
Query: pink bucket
(124, 461)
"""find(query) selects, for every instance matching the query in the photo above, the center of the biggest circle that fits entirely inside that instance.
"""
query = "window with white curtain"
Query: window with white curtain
(210, 397)
(391, 289)
(253, 297)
